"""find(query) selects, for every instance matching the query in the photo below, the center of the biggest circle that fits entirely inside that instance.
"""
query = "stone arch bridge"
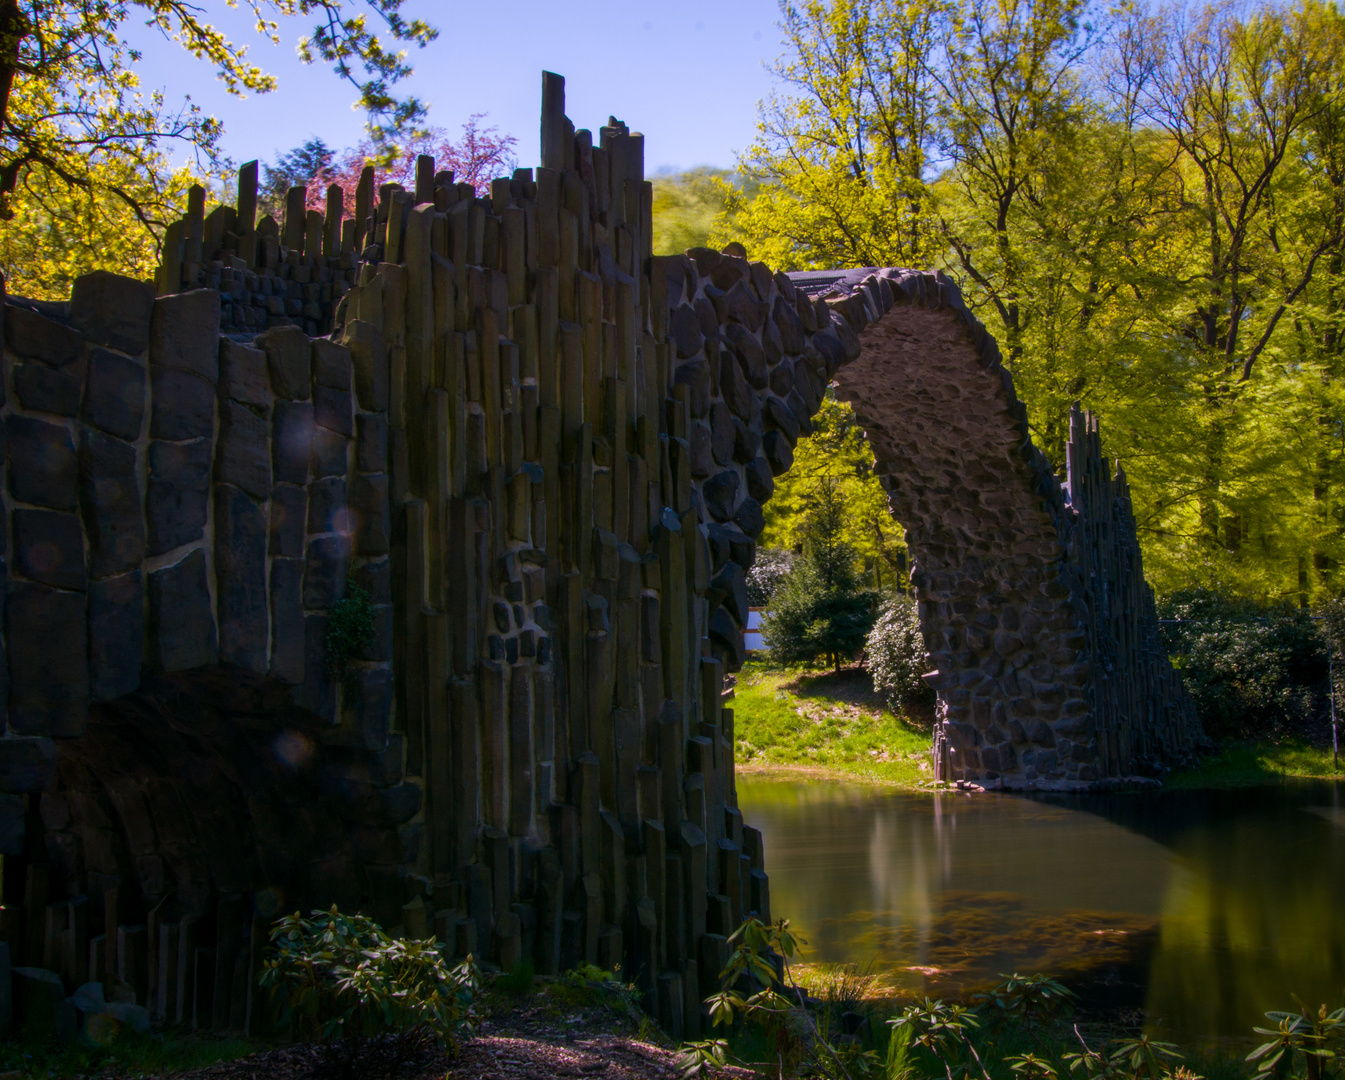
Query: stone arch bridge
(543, 455)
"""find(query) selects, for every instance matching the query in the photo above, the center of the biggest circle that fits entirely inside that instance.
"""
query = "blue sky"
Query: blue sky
(689, 75)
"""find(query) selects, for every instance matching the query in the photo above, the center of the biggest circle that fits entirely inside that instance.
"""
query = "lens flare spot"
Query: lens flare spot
(293, 749)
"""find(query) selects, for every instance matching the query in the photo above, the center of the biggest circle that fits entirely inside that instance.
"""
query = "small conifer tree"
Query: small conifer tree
(820, 608)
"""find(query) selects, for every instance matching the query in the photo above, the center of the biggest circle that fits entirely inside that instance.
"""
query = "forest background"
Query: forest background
(1146, 207)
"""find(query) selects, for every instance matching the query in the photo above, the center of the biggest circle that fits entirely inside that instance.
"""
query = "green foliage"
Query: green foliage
(519, 981)
(1147, 208)
(1317, 1040)
(837, 455)
(820, 608)
(350, 631)
(896, 655)
(685, 207)
(342, 980)
(1251, 668)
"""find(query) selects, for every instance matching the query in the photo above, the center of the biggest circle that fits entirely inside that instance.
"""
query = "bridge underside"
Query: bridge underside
(542, 454)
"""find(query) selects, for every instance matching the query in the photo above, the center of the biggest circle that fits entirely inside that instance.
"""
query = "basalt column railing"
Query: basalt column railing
(543, 453)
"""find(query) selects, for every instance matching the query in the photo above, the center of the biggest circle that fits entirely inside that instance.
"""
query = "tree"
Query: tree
(476, 157)
(837, 455)
(820, 608)
(71, 109)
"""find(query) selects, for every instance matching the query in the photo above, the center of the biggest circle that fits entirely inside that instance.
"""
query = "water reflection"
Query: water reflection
(1206, 908)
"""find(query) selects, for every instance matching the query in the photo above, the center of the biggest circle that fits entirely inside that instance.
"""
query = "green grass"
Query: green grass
(827, 721)
(1245, 764)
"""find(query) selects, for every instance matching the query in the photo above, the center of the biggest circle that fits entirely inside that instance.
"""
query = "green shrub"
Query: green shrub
(1253, 669)
(896, 655)
(350, 631)
(340, 979)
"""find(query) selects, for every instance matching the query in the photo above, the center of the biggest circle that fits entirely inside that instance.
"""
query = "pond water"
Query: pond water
(1203, 909)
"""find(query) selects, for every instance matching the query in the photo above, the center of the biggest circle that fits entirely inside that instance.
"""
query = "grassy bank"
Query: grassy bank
(833, 724)
(826, 723)
(1245, 764)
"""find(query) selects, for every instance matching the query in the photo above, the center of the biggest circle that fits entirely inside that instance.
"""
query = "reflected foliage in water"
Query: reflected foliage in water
(1207, 908)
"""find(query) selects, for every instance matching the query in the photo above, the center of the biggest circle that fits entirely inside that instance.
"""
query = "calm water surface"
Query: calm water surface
(1203, 908)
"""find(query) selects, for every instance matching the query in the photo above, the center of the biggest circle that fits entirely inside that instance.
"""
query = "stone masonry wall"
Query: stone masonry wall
(544, 453)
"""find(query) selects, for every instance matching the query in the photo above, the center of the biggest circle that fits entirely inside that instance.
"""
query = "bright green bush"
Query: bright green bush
(342, 980)
(895, 651)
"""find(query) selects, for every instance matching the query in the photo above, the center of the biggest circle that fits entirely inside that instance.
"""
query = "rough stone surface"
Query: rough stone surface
(116, 635)
(243, 455)
(27, 763)
(181, 622)
(48, 664)
(112, 310)
(42, 388)
(240, 579)
(109, 497)
(42, 467)
(49, 547)
(243, 376)
(179, 487)
(287, 358)
(114, 398)
(37, 337)
(292, 442)
(183, 405)
(184, 334)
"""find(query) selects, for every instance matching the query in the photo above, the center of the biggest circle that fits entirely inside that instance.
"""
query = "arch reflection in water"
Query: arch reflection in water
(1204, 908)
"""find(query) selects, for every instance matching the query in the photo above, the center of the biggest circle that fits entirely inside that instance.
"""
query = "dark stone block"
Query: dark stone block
(13, 831)
(179, 485)
(334, 410)
(760, 483)
(725, 633)
(184, 334)
(109, 496)
(182, 625)
(776, 414)
(331, 365)
(732, 582)
(114, 398)
(27, 763)
(240, 579)
(369, 359)
(48, 389)
(373, 708)
(38, 338)
(329, 453)
(380, 646)
(749, 517)
(289, 515)
(721, 433)
(182, 405)
(242, 376)
(751, 356)
(48, 660)
(782, 379)
(326, 505)
(741, 306)
(789, 326)
(287, 620)
(720, 493)
(243, 457)
(113, 310)
(375, 578)
(400, 804)
(684, 326)
(318, 692)
(41, 463)
(369, 504)
(325, 571)
(292, 442)
(116, 635)
(49, 547)
(779, 454)
(287, 359)
(746, 442)
(371, 443)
